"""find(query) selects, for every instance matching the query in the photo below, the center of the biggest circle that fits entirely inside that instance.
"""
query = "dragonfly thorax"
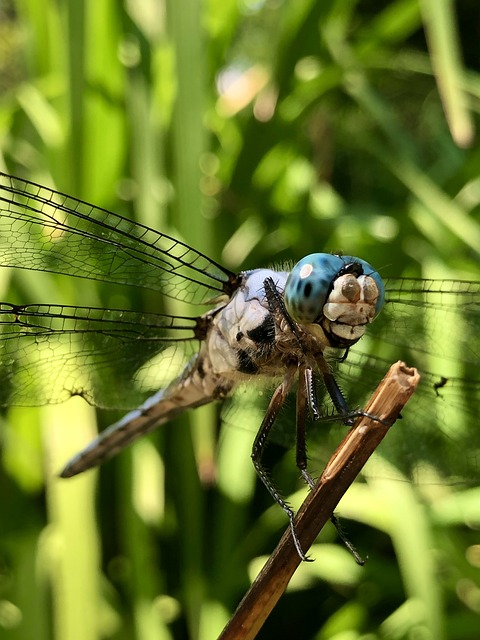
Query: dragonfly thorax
(243, 336)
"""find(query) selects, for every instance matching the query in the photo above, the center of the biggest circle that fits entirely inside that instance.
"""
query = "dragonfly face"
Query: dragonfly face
(254, 332)
(342, 294)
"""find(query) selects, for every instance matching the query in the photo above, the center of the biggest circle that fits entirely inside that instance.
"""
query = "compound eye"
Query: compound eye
(307, 287)
(312, 280)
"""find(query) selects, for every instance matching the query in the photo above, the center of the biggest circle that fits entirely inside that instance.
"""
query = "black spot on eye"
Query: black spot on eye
(239, 336)
(264, 333)
(245, 363)
(307, 290)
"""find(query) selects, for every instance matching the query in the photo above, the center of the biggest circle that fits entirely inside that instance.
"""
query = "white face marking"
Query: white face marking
(351, 306)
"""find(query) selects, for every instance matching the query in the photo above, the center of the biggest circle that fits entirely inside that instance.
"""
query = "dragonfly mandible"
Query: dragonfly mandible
(292, 327)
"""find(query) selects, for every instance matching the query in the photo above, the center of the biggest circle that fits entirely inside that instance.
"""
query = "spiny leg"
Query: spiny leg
(338, 399)
(277, 307)
(334, 391)
(276, 402)
(306, 388)
(343, 537)
(306, 398)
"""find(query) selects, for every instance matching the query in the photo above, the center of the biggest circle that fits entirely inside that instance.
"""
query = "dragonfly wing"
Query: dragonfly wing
(434, 326)
(112, 358)
(436, 317)
(42, 229)
(431, 324)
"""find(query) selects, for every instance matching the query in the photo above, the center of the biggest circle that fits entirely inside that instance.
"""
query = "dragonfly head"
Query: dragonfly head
(342, 294)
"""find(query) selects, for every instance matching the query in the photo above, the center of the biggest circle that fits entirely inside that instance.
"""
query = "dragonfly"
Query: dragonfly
(327, 328)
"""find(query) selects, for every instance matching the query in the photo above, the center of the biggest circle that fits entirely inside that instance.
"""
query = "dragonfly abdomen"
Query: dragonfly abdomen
(195, 387)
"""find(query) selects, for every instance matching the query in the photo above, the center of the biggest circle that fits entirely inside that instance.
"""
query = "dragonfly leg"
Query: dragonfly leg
(348, 543)
(304, 400)
(336, 395)
(305, 397)
(338, 399)
(276, 402)
(277, 307)
(311, 393)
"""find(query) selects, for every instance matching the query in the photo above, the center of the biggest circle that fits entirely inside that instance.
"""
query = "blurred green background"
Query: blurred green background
(258, 131)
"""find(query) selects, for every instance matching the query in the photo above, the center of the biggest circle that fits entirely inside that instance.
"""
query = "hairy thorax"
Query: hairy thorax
(246, 338)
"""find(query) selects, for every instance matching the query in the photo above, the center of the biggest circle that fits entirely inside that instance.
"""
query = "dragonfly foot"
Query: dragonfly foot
(357, 557)
(296, 541)
(365, 414)
(308, 478)
(336, 523)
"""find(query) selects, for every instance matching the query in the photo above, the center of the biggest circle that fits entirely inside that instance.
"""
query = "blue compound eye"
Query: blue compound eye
(312, 279)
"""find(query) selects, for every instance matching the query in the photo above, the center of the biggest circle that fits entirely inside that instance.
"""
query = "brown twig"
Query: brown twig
(346, 463)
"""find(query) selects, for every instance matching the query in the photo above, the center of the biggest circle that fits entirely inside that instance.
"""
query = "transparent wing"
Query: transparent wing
(437, 317)
(434, 326)
(44, 230)
(112, 358)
